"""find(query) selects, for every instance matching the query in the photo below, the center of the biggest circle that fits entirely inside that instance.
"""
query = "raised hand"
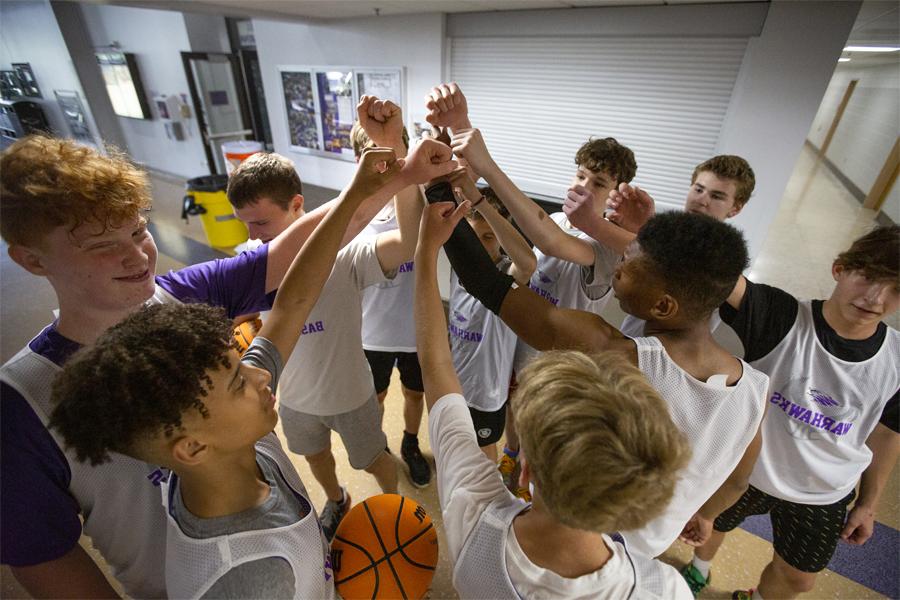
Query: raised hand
(463, 186)
(382, 120)
(469, 144)
(579, 208)
(447, 107)
(697, 531)
(630, 207)
(429, 160)
(438, 222)
(377, 167)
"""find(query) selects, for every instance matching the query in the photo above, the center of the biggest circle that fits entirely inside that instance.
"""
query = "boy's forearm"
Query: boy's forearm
(409, 206)
(885, 446)
(285, 247)
(73, 575)
(737, 483)
(609, 234)
(438, 374)
(511, 240)
(723, 499)
(313, 263)
(533, 220)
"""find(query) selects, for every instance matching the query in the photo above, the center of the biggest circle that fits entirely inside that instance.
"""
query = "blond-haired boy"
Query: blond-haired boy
(588, 475)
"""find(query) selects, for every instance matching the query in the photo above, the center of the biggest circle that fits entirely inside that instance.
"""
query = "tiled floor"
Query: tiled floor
(817, 219)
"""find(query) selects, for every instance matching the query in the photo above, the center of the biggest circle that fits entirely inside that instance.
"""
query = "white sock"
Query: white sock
(757, 595)
(702, 566)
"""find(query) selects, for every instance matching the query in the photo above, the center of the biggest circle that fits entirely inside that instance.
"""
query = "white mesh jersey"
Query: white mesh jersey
(478, 513)
(387, 323)
(624, 576)
(118, 500)
(194, 565)
(569, 285)
(719, 423)
(482, 346)
(821, 411)
(327, 373)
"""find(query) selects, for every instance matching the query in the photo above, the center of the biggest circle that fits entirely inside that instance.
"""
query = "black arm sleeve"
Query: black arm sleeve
(765, 317)
(890, 416)
(473, 265)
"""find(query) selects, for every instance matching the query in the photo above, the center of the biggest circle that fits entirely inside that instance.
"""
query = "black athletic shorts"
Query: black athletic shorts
(488, 425)
(382, 363)
(806, 535)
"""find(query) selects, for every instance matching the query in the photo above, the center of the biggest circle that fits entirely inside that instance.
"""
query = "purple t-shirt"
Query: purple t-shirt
(39, 516)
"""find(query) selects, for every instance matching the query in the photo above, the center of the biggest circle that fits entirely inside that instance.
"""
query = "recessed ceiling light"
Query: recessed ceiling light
(871, 48)
(843, 59)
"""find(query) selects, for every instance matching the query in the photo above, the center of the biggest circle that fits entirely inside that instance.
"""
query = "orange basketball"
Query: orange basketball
(245, 332)
(385, 547)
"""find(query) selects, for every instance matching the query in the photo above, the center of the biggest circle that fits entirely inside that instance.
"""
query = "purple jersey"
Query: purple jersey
(39, 515)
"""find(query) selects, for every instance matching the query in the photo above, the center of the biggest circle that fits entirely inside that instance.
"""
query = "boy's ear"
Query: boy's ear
(524, 470)
(664, 308)
(735, 210)
(189, 451)
(837, 269)
(28, 258)
(296, 203)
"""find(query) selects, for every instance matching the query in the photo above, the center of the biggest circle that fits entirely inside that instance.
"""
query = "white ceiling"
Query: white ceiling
(878, 24)
(343, 9)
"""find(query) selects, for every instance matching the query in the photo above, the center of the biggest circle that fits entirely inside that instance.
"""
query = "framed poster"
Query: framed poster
(73, 112)
(387, 84)
(338, 110)
(302, 109)
(10, 86)
(123, 84)
(320, 104)
(26, 80)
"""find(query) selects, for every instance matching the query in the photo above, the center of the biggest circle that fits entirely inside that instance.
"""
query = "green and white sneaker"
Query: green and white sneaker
(742, 594)
(694, 578)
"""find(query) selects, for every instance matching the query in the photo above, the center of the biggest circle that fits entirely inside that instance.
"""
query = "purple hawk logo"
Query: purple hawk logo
(822, 398)
(459, 317)
(543, 277)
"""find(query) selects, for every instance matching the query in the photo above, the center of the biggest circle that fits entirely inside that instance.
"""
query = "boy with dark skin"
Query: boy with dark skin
(701, 382)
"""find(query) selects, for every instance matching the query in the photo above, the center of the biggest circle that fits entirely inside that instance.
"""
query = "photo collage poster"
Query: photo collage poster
(320, 104)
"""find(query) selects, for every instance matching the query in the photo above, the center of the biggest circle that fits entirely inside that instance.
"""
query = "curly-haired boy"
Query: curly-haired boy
(313, 402)
(167, 386)
(76, 218)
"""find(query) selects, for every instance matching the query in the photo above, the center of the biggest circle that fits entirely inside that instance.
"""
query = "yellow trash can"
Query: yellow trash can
(206, 197)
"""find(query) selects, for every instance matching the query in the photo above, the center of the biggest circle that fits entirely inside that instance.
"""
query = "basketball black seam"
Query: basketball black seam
(384, 548)
(400, 548)
(375, 563)
(369, 556)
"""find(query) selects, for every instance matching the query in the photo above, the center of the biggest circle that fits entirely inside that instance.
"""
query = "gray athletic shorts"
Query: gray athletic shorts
(360, 430)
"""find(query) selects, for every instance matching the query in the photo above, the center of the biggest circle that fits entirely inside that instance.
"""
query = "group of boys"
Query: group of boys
(134, 413)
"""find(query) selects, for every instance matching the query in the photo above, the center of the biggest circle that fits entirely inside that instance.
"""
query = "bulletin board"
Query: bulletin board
(320, 104)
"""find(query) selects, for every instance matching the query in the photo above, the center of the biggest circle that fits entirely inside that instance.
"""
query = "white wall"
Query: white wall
(415, 42)
(157, 38)
(869, 127)
(783, 78)
(785, 70)
(29, 33)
